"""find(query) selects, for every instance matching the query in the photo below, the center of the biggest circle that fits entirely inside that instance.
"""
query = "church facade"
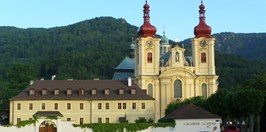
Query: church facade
(165, 73)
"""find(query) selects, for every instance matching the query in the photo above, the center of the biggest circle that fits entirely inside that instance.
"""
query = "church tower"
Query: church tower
(203, 57)
(203, 47)
(147, 54)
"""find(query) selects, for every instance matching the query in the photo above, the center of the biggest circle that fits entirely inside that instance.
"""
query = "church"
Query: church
(156, 72)
(164, 72)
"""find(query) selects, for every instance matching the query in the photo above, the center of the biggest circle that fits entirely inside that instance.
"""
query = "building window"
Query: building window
(18, 120)
(121, 91)
(133, 91)
(68, 106)
(177, 89)
(44, 92)
(32, 92)
(81, 106)
(30, 119)
(106, 120)
(149, 57)
(99, 120)
(18, 106)
(56, 92)
(177, 57)
(107, 106)
(133, 106)
(68, 119)
(30, 106)
(124, 106)
(142, 105)
(93, 92)
(81, 91)
(119, 106)
(204, 90)
(69, 91)
(99, 106)
(150, 90)
(106, 91)
(203, 57)
(43, 106)
(55, 106)
(80, 121)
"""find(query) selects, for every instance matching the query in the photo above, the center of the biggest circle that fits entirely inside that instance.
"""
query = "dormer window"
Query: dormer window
(69, 91)
(81, 91)
(31, 92)
(133, 91)
(106, 91)
(94, 91)
(121, 91)
(44, 92)
(56, 92)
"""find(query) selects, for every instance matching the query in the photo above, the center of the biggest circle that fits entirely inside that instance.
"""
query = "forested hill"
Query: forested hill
(247, 45)
(85, 50)
(92, 48)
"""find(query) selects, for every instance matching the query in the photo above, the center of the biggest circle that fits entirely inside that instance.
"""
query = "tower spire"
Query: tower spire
(202, 29)
(146, 30)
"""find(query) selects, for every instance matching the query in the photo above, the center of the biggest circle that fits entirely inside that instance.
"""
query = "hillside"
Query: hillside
(84, 50)
(247, 45)
(92, 48)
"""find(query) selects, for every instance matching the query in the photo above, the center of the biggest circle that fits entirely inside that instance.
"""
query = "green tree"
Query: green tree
(217, 104)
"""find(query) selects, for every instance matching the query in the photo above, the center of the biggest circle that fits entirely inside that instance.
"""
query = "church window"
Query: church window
(150, 90)
(177, 89)
(203, 57)
(177, 57)
(204, 90)
(149, 57)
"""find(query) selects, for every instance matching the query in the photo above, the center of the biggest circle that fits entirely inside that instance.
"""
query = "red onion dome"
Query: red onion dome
(202, 29)
(147, 30)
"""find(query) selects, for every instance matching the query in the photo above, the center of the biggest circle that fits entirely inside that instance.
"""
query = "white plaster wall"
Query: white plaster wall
(198, 125)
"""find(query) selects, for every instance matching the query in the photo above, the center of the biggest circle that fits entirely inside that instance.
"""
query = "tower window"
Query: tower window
(177, 89)
(149, 57)
(204, 90)
(150, 90)
(203, 57)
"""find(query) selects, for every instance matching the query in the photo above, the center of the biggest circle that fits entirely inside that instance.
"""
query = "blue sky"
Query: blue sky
(177, 17)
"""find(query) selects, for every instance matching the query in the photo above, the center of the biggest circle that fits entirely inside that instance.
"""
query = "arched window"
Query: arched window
(203, 57)
(150, 90)
(149, 57)
(204, 90)
(177, 89)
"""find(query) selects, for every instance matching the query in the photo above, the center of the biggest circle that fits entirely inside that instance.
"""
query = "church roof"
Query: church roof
(127, 63)
(87, 86)
(191, 111)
